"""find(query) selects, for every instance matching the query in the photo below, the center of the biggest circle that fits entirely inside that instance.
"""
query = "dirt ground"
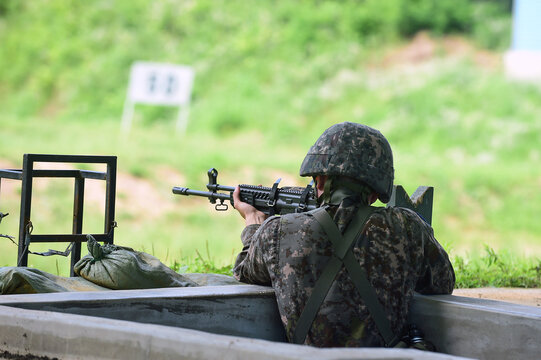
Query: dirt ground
(530, 297)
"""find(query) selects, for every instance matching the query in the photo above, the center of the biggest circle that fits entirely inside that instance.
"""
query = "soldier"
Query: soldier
(344, 274)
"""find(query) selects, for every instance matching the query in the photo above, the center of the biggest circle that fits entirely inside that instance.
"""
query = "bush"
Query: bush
(442, 16)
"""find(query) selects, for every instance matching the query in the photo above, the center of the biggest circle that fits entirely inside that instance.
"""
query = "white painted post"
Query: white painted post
(159, 84)
(182, 119)
(127, 115)
(523, 60)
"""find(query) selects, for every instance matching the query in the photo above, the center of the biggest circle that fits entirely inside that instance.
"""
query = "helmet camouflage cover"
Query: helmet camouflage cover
(353, 150)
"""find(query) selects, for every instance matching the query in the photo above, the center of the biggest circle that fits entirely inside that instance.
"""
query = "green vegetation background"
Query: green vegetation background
(271, 76)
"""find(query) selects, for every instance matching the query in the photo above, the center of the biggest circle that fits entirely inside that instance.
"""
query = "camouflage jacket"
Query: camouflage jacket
(290, 252)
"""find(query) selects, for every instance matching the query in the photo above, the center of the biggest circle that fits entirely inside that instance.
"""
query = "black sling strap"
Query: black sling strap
(343, 254)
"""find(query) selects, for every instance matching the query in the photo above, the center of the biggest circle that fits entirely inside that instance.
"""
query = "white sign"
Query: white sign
(159, 84)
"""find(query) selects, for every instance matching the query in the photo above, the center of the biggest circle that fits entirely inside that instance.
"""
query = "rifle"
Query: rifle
(269, 200)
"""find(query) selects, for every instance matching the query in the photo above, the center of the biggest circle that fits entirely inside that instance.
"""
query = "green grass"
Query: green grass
(491, 269)
(497, 269)
(201, 264)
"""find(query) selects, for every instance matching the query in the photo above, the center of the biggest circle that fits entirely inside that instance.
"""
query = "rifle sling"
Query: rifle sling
(343, 254)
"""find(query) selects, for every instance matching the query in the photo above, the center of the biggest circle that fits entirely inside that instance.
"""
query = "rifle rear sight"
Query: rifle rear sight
(269, 200)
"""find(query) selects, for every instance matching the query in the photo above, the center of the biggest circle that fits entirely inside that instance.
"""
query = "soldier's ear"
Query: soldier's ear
(372, 198)
(320, 182)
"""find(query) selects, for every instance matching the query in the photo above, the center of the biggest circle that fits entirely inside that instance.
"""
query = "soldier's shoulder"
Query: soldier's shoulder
(399, 214)
(296, 218)
(404, 224)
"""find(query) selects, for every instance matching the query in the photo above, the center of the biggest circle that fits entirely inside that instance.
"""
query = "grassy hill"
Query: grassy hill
(269, 79)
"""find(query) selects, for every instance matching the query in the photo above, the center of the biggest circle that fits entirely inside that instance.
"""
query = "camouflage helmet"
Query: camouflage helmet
(353, 150)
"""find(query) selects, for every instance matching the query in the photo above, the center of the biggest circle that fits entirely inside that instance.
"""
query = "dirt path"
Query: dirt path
(530, 297)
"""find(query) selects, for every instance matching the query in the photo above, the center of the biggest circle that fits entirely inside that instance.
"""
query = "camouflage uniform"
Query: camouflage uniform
(401, 255)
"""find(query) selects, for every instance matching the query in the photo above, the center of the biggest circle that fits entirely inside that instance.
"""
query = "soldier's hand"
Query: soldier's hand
(250, 214)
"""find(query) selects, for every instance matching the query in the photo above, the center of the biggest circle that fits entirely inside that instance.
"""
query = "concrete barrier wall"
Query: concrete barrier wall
(245, 310)
(459, 326)
(483, 329)
(66, 336)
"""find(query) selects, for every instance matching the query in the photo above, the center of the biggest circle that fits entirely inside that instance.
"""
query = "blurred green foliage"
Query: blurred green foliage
(443, 16)
(70, 59)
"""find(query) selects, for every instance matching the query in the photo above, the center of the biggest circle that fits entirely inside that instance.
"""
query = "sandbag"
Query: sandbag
(204, 279)
(122, 268)
(24, 280)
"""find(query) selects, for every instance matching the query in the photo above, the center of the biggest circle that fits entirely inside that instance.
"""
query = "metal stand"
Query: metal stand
(420, 202)
(27, 174)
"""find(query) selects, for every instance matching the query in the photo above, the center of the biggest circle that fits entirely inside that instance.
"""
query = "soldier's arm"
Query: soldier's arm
(250, 265)
(253, 262)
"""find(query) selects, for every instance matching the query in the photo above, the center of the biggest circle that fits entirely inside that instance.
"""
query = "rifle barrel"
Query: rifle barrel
(211, 195)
